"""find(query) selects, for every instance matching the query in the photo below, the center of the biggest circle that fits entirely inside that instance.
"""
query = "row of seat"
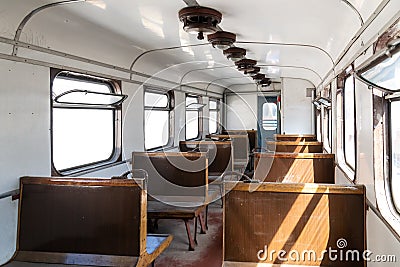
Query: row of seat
(282, 211)
(296, 215)
(84, 221)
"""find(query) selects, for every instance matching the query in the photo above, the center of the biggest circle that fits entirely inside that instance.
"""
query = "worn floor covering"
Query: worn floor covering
(208, 252)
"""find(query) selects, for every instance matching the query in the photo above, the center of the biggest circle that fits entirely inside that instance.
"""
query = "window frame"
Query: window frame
(218, 110)
(343, 141)
(115, 88)
(330, 125)
(389, 136)
(169, 107)
(382, 172)
(318, 116)
(327, 119)
(199, 116)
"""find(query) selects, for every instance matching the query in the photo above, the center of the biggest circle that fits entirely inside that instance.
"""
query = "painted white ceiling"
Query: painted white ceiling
(288, 38)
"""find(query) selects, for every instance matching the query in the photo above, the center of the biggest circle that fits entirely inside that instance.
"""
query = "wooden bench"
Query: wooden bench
(220, 159)
(261, 220)
(253, 143)
(251, 135)
(295, 147)
(83, 221)
(177, 187)
(219, 154)
(295, 167)
(240, 147)
(295, 137)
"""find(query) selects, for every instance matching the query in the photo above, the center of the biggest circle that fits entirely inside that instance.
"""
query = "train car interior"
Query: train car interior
(199, 133)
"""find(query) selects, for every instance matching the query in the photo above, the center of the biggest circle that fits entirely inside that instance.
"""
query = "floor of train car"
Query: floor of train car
(208, 252)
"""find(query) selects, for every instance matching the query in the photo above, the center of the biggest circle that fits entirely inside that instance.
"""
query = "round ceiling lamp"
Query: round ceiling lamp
(199, 20)
(265, 82)
(258, 77)
(235, 53)
(252, 72)
(222, 40)
(246, 64)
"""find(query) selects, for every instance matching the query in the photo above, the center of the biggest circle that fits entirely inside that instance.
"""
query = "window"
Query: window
(327, 119)
(395, 152)
(349, 115)
(157, 108)
(193, 107)
(85, 121)
(330, 127)
(318, 124)
(213, 120)
(269, 118)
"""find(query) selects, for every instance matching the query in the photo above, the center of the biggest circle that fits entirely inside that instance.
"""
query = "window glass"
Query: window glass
(63, 84)
(349, 122)
(156, 120)
(326, 128)
(395, 152)
(155, 100)
(384, 74)
(192, 119)
(213, 104)
(156, 128)
(83, 135)
(269, 118)
(213, 122)
(318, 124)
(214, 116)
(330, 127)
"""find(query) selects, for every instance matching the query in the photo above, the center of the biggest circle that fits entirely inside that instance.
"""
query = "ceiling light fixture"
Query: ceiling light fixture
(246, 64)
(265, 82)
(199, 19)
(258, 77)
(252, 72)
(235, 53)
(221, 39)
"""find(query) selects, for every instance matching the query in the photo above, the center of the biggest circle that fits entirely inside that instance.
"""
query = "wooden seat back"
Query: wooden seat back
(174, 177)
(295, 167)
(240, 147)
(251, 135)
(295, 137)
(295, 147)
(262, 219)
(81, 221)
(219, 154)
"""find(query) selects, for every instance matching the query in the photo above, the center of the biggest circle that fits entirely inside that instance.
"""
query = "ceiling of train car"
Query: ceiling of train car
(300, 39)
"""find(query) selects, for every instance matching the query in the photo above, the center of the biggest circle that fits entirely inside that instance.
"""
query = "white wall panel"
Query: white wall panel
(380, 241)
(180, 117)
(206, 116)
(5, 48)
(24, 137)
(365, 145)
(241, 111)
(296, 107)
(132, 120)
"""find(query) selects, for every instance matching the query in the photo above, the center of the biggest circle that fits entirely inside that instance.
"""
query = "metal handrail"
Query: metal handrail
(13, 193)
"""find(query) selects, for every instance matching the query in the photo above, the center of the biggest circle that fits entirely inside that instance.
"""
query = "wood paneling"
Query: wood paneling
(219, 154)
(294, 218)
(295, 167)
(295, 147)
(174, 174)
(84, 221)
(295, 137)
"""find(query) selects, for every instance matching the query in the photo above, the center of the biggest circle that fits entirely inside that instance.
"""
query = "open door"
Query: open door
(268, 118)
